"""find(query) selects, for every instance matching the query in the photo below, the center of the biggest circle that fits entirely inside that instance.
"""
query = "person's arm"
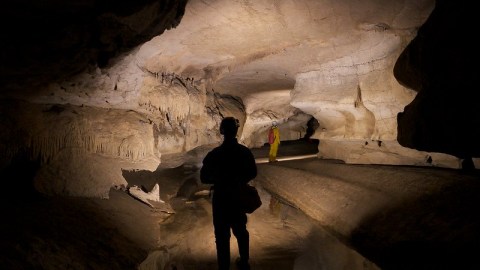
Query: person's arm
(207, 170)
(250, 170)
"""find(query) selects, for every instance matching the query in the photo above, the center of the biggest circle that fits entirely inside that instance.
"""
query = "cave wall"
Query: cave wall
(441, 64)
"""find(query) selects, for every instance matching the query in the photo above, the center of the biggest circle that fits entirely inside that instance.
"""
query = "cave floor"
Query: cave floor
(40, 232)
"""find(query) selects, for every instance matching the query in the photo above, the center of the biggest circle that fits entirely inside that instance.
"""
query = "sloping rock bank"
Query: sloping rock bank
(397, 217)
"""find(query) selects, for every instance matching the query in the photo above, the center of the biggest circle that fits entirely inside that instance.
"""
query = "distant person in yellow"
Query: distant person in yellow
(274, 141)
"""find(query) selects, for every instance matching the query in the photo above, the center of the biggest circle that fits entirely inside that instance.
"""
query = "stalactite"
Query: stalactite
(45, 145)
(132, 148)
(172, 94)
(358, 99)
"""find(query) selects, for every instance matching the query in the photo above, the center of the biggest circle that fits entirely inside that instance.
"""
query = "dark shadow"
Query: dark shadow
(438, 64)
(98, 28)
(64, 233)
(312, 125)
(438, 231)
(17, 178)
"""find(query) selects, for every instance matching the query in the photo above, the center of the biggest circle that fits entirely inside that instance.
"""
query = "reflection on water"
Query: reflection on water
(281, 237)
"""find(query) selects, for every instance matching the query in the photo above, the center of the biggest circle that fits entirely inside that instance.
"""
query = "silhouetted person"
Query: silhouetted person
(227, 167)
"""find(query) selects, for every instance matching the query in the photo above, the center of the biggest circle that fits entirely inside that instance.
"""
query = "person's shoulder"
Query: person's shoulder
(244, 147)
(215, 150)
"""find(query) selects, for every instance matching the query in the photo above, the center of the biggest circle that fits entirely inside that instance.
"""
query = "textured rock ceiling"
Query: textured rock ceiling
(140, 79)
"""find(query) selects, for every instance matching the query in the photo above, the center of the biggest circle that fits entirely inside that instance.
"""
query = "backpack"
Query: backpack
(271, 137)
(249, 198)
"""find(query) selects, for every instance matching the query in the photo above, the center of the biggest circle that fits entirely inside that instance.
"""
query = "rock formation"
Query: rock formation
(127, 83)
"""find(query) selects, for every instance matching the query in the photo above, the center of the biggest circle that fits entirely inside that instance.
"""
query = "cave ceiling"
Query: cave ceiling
(243, 46)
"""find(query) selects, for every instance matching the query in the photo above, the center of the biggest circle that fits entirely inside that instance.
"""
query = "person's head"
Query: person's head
(229, 127)
(274, 123)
